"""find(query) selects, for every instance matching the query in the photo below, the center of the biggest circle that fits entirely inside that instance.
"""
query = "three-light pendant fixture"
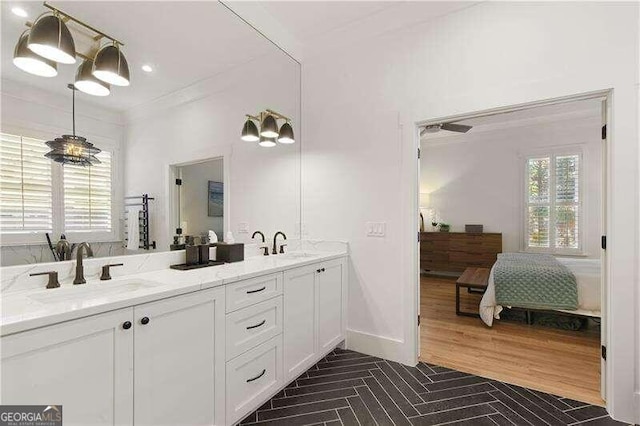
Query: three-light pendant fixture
(269, 132)
(48, 42)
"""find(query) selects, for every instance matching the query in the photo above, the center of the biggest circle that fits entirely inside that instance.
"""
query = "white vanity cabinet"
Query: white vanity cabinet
(314, 314)
(177, 346)
(85, 365)
(208, 357)
(179, 360)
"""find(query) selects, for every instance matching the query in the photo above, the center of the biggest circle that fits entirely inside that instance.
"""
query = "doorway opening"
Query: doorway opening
(512, 208)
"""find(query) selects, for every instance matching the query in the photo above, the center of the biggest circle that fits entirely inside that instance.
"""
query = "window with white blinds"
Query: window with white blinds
(26, 202)
(38, 195)
(553, 203)
(87, 196)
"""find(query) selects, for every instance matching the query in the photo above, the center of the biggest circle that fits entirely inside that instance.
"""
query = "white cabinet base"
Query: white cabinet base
(84, 365)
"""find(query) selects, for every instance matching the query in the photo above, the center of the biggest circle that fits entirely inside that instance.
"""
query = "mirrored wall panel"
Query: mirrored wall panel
(197, 74)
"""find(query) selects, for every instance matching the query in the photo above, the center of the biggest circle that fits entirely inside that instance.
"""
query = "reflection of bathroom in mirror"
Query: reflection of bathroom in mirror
(201, 201)
(180, 110)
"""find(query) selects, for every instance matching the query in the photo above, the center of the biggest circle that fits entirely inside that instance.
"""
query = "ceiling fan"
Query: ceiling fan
(452, 127)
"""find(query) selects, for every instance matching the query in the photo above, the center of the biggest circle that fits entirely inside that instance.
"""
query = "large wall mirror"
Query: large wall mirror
(206, 69)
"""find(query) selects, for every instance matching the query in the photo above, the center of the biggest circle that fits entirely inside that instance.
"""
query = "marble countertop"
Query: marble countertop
(31, 308)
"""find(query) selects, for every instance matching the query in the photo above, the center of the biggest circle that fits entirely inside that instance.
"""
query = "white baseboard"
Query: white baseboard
(380, 346)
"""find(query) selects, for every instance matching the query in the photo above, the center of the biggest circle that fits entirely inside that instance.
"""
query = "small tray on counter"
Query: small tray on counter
(185, 267)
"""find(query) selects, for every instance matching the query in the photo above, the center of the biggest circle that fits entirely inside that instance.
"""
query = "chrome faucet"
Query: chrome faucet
(264, 246)
(79, 267)
(274, 243)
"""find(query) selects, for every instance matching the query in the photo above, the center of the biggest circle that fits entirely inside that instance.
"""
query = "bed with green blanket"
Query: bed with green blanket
(529, 281)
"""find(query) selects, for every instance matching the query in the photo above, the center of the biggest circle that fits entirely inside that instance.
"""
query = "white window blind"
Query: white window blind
(26, 204)
(87, 196)
(553, 201)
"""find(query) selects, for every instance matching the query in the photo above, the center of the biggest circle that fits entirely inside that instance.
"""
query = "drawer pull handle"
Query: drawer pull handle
(256, 291)
(257, 377)
(257, 325)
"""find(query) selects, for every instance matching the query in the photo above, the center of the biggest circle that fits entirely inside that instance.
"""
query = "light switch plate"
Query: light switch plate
(243, 228)
(376, 229)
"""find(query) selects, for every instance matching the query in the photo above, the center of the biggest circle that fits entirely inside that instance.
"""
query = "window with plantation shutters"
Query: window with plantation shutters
(26, 202)
(553, 203)
(87, 196)
(39, 196)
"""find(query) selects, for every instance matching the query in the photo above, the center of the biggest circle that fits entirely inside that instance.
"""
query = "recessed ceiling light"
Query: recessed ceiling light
(147, 68)
(19, 12)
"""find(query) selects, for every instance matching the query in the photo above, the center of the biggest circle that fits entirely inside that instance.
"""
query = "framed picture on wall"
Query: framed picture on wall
(216, 199)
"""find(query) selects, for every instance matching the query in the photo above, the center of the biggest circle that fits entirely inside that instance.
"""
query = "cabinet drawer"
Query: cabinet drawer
(249, 292)
(252, 378)
(248, 327)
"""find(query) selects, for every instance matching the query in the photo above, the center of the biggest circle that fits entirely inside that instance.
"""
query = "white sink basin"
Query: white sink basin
(92, 290)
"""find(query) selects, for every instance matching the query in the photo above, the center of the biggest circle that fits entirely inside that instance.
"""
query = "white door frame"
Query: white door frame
(605, 95)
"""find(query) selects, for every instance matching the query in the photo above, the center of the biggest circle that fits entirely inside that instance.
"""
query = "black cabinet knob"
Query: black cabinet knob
(126, 325)
(144, 320)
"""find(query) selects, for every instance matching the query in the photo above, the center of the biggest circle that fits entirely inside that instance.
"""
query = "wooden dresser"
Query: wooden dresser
(456, 251)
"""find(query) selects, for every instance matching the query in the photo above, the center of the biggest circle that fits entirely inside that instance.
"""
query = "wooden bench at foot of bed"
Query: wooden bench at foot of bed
(471, 278)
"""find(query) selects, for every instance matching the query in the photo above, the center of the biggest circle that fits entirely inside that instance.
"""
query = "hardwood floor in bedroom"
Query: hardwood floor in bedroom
(564, 363)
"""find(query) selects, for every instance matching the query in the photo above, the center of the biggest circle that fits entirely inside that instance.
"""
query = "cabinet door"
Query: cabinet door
(299, 320)
(85, 365)
(179, 359)
(330, 305)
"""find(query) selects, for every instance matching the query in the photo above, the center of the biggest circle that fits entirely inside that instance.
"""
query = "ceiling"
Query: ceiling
(184, 42)
(188, 41)
(524, 117)
(313, 27)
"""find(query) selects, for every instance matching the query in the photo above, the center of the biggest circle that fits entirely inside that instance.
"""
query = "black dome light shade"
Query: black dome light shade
(267, 142)
(87, 83)
(111, 66)
(250, 131)
(51, 39)
(269, 127)
(28, 61)
(286, 134)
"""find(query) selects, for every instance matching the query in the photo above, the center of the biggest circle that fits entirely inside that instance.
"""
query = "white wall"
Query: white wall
(359, 157)
(204, 121)
(194, 195)
(478, 177)
(29, 111)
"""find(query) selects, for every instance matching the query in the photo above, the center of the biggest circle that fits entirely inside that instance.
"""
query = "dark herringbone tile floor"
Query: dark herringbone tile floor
(348, 388)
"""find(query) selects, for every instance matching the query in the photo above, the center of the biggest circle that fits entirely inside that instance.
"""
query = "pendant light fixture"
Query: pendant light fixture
(28, 61)
(49, 42)
(286, 134)
(73, 149)
(51, 39)
(111, 66)
(269, 132)
(87, 83)
(269, 127)
(250, 131)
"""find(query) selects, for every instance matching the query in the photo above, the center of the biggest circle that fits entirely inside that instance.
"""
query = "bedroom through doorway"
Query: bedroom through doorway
(512, 214)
